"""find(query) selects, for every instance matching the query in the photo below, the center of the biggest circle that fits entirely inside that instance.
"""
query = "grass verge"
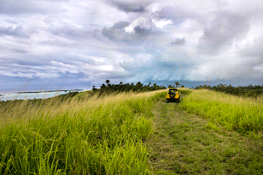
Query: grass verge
(234, 113)
(78, 136)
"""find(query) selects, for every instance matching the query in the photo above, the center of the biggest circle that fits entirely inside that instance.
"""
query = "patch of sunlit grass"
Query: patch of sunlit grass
(242, 114)
(92, 135)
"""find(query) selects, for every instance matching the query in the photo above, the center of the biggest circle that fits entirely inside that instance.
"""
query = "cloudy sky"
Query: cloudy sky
(61, 44)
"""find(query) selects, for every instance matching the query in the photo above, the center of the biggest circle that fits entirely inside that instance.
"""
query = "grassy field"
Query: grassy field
(244, 115)
(184, 143)
(78, 136)
(132, 133)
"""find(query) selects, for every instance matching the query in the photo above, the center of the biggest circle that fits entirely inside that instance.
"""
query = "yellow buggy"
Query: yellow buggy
(173, 95)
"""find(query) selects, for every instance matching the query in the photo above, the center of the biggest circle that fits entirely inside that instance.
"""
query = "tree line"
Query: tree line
(138, 87)
(246, 91)
(121, 87)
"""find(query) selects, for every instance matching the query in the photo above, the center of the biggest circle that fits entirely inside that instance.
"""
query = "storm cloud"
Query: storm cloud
(18, 31)
(129, 7)
(86, 42)
(178, 41)
(222, 31)
(135, 31)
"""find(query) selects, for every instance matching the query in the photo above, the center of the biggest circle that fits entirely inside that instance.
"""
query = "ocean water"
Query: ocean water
(25, 96)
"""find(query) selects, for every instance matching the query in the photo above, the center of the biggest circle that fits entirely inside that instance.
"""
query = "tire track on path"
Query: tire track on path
(183, 143)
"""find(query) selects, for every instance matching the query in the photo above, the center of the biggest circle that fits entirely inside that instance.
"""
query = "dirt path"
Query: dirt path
(185, 144)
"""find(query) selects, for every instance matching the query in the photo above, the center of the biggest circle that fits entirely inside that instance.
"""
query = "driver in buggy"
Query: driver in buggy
(173, 95)
(172, 92)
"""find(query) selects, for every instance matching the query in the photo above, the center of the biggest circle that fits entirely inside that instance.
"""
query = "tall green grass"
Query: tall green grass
(78, 136)
(241, 114)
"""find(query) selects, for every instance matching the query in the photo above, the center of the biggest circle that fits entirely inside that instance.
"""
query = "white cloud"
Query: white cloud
(161, 23)
(144, 22)
(156, 6)
(46, 75)
(131, 40)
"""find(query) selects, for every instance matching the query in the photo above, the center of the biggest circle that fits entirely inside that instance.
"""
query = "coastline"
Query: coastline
(35, 95)
(72, 90)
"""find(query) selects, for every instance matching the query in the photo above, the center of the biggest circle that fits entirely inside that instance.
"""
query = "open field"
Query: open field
(25, 109)
(244, 115)
(129, 133)
(77, 136)
(244, 91)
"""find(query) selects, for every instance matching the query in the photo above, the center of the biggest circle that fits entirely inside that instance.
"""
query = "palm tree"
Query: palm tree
(94, 89)
(108, 82)
(177, 83)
